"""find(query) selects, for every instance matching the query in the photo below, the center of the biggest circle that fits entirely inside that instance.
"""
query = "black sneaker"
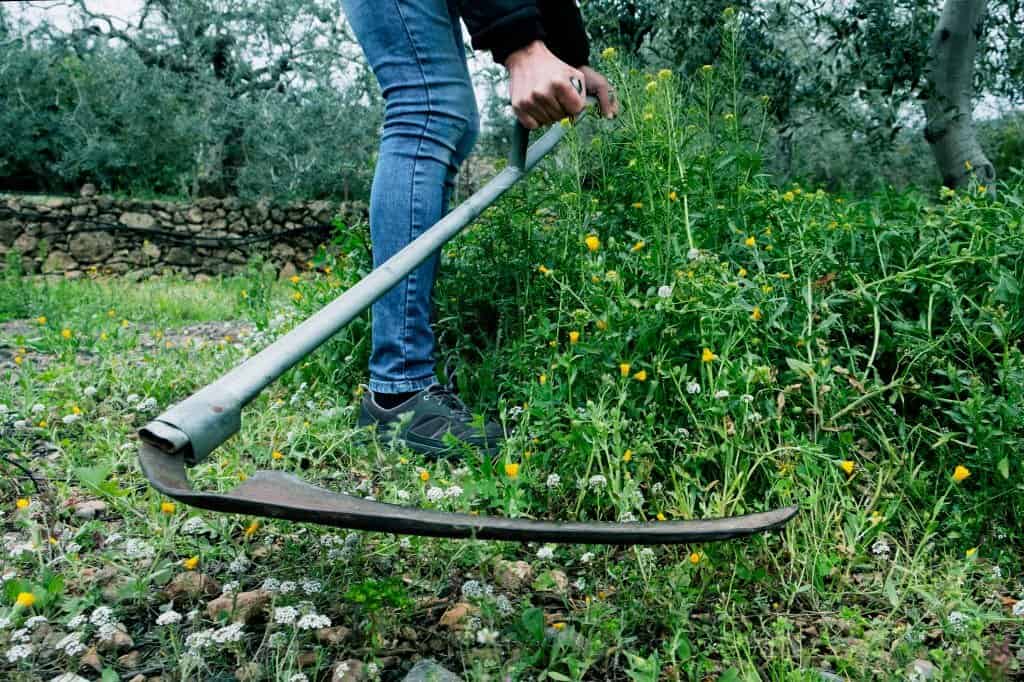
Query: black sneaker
(435, 411)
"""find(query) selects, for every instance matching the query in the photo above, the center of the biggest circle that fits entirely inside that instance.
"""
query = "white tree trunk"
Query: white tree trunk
(950, 128)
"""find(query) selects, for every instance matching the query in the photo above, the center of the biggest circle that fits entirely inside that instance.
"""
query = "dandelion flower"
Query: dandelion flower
(750, 241)
(960, 473)
(876, 517)
(641, 375)
(672, 196)
(25, 599)
(191, 563)
(295, 279)
(276, 454)
(574, 337)
(543, 270)
(424, 475)
(624, 369)
(694, 558)
(788, 196)
(41, 319)
(627, 456)
(167, 507)
(708, 356)
(755, 314)
(66, 333)
(592, 242)
(251, 529)
(546, 553)
(660, 516)
(22, 503)
(848, 466)
(640, 244)
(512, 470)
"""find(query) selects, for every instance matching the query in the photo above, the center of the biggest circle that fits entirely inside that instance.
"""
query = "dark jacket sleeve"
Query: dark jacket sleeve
(504, 26)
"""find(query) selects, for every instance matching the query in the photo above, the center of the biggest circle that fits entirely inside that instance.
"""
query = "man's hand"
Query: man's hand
(598, 86)
(540, 86)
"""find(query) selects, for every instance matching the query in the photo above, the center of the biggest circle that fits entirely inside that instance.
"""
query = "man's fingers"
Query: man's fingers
(570, 101)
(606, 99)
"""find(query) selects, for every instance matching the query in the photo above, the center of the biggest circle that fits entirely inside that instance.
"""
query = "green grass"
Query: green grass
(844, 354)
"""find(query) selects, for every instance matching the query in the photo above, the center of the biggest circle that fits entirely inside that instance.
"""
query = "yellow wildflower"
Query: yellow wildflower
(168, 507)
(672, 196)
(694, 558)
(595, 279)
(638, 204)
(558, 626)
(611, 276)
(124, 323)
(981, 189)
(297, 296)
(512, 470)
(295, 279)
(651, 87)
(592, 242)
(543, 379)
(788, 196)
(639, 245)
(276, 454)
(601, 324)
(22, 503)
(750, 241)
(624, 369)
(627, 456)
(251, 529)
(960, 473)
(574, 337)
(707, 68)
(25, 599)
(103, 336)
(742, 272)
(18, 359)
(708, 356)
(543, 270)
(967, 165)
(660, 516)
(971, 552)
(641, 375)
(848, 466)
(665, 74)
(191, 563)
(66, 333)
(42, 424)
(755, 314)
(608, 53)
(876, 517)
(424, 475)
(41, 319)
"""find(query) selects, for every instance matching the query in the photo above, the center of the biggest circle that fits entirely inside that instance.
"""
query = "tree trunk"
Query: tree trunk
(950, 128)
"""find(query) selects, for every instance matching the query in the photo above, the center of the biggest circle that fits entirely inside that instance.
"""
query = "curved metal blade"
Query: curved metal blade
(281, 495)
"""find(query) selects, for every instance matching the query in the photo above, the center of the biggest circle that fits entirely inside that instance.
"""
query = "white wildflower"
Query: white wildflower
(747, 398)
(434, 494)
(647, 554)
(138, 549)
(503, 605)
(580, 584)
(597, 481)
(1018, 609)
(553, 480)
(546, 552)
(693, 254)
(721, 394)
(38, 408)
(692, 387)
(34, 622)
(402, 495)
(71, 644)
(310, 586)
(314, 621)
(278, 639)
(515, 411)
(659, 486)
(230, 587)
(285, 615)
(664, 291)
(20, 635)
(107, 631)
(271, 585)
(997, 572)
(70, 418)
(198, 641)
(90, 391)
(486, 636)
(298, 677)
(372, 669)
(471, 589)
(453, 491)
(168, 618)
(956, 620)
(78, 621)
(18, 652)
(229, 633)
(101, 615)
(587, 557)
(881, 549)
(240, 564)
(288, 586)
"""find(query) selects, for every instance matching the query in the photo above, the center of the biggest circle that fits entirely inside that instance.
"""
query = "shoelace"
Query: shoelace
(446, 396)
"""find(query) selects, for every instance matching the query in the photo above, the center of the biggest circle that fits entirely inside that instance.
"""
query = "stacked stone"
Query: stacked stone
(50, 244)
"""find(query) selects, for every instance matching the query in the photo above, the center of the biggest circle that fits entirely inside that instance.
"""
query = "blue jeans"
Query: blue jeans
(430, 125)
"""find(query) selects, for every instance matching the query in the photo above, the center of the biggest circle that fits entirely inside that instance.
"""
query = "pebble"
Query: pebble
(428, 670)
(89, 509)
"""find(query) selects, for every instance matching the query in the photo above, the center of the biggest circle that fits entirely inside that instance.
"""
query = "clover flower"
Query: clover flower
(721, 394)
(434, 494)
(692, 387)
(597, 481)
(546, 552)
(587, 557)
(664, 291)
(553, 480)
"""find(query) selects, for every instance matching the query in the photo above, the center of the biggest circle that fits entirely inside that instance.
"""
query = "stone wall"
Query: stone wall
(73, 236)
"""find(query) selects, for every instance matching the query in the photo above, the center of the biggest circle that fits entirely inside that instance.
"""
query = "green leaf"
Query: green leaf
(1004, 467)
(800, 367)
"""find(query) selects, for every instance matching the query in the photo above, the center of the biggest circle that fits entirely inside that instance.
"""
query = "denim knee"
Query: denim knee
(440, 117)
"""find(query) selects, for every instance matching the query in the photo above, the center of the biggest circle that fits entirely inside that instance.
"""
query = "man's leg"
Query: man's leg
(430, 114)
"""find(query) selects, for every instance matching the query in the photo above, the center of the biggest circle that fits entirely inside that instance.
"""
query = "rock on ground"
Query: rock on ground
(351, 670)
(244, 606)
(513, 575)
(192, 584)
(429, 670)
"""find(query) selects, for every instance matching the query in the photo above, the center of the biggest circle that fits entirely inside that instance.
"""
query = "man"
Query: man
(415, 49)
